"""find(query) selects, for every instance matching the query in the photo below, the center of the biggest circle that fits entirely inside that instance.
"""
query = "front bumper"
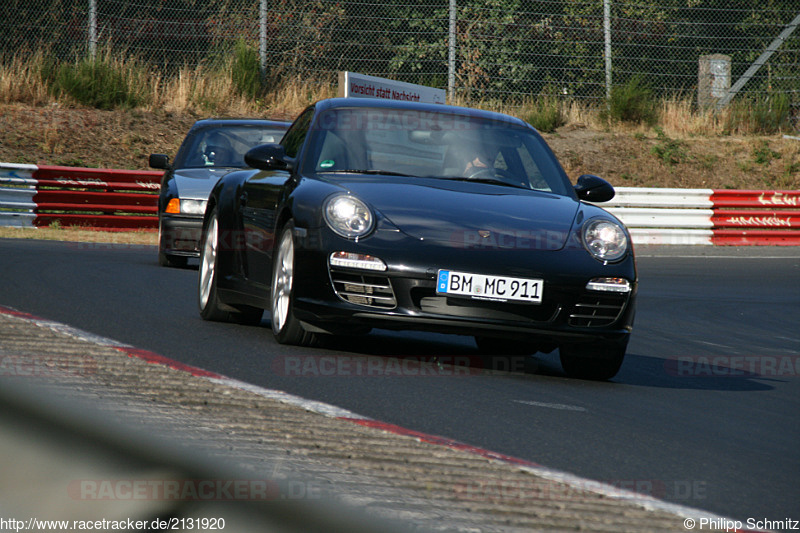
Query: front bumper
(180, 234)
(404, 295)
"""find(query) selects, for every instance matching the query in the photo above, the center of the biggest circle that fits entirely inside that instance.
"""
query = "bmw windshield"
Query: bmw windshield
(224, 145)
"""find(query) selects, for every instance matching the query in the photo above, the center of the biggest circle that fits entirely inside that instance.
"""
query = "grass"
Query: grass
(545, 113)
(670, 151)
(233, 86)
(633, 102)
(77, 234)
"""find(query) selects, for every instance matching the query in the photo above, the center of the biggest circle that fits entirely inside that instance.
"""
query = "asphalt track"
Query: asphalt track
(704, 413)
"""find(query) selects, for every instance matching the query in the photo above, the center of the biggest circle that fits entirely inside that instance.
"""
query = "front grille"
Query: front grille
(597, 310)
(428, 302)
(364, 289)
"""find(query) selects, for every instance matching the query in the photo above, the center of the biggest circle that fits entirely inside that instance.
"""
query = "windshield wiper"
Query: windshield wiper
(492, 181)
(366, 171)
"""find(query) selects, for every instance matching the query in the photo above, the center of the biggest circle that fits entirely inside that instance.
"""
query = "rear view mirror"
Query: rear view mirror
(594, 189)
(270, 156)
(159, 161)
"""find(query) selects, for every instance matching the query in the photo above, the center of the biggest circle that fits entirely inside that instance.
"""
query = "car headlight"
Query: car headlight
(193, 207)
(605, 239)
(348, 216)
(186, 207)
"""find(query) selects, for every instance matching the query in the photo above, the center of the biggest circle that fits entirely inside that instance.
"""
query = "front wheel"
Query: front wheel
(211, 307)
(599, 362)
(286, 328)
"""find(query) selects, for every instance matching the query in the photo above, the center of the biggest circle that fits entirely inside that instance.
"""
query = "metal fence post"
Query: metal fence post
(607, 37)
(262, 39)
(92, 28)
(451, 55)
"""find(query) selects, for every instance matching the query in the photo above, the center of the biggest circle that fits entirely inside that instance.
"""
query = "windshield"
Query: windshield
(224, 145)
(405, 142)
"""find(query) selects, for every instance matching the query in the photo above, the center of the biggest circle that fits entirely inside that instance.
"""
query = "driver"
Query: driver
(479, 162)
(218, 151)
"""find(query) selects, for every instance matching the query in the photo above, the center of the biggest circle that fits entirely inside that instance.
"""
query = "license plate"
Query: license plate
(483, 287)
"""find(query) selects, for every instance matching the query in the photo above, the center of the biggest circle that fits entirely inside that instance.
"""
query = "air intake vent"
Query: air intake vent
(364, 289)
(594, 311)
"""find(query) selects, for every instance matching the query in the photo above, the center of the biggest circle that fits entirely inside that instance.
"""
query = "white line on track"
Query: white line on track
(561, 406)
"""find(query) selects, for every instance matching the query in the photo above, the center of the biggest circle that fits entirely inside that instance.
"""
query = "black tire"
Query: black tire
(597, 362)
(286, 328)
(172, 261)
(210, 306)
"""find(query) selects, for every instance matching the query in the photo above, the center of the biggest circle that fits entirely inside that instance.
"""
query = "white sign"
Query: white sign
(354, 85)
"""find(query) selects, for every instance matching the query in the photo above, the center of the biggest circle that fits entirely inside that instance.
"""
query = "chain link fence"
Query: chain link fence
(503, 49)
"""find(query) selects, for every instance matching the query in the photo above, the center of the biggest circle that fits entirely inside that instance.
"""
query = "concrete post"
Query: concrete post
(713, 79)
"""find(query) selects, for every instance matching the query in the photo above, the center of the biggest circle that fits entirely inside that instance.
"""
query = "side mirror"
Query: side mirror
(594, 189)
(159, 161)
(269, 157)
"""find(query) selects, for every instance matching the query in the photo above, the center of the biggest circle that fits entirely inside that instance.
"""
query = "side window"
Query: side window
(296, 134)
(533, 171)
(500, 162)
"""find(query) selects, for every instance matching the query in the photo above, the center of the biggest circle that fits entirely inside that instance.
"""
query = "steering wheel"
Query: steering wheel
(481, 173)
(495, 173)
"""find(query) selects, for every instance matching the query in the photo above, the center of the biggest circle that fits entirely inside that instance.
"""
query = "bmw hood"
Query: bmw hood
(196, 183)
(459, 213)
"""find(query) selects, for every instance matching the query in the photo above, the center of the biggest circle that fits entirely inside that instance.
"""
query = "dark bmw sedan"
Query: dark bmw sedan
(379, 214)
(211, 149)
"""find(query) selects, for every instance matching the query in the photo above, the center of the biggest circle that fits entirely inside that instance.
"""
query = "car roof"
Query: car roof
(381, 103)
(216, 122)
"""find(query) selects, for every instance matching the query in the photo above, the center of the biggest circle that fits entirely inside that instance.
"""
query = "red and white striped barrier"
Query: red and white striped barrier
(39, 195)
(709, 216)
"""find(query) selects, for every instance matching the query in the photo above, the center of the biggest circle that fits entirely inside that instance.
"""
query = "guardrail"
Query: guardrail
(708, 216)
(40, 195)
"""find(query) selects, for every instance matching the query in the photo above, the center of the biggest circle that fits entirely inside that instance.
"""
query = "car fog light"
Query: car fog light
(609, 285)
(361, 261)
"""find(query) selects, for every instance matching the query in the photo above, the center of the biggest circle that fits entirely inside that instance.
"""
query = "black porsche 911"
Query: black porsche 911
(378, 214)
(211, 148)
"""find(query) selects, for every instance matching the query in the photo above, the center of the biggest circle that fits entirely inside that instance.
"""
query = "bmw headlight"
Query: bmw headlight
(605, 240)
(186, 207)
(193, 207)
(348, 216)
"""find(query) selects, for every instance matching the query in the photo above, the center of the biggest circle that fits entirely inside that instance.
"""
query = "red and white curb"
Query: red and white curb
(644, 501)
